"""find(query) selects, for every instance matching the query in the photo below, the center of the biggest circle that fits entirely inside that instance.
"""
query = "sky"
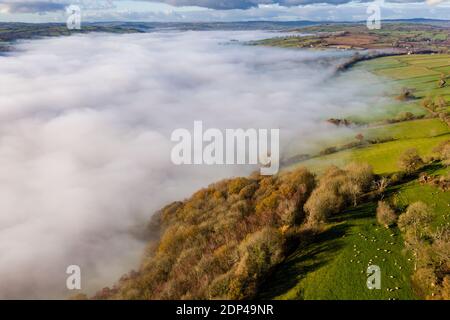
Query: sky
(219, 10)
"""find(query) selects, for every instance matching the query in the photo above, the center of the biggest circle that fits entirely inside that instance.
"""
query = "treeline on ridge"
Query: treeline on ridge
(227, 238)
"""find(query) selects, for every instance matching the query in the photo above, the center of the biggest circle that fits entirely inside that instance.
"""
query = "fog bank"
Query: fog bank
(85, 124)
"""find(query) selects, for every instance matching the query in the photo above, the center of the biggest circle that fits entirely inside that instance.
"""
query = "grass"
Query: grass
(406, 72)
(439, 201)
(423, 135)
(334, 265)
(389, 111)
(425, 128)
(383, 156)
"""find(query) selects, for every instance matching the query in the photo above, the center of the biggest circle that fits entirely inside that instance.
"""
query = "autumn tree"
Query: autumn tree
(410, 160)
(443, 150)
(415, 224)
(385, 214)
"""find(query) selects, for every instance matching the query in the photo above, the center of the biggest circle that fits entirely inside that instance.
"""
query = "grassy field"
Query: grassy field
(425, 128)
(438, 200)
(403, 37)
(422, 134)
(334, 265)
(383, 156)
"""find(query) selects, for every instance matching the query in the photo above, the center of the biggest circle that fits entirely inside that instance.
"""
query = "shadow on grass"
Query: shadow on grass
(364, 210)
(307, 258)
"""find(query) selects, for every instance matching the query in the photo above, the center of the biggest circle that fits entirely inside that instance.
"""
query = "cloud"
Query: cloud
(434, 2)
(85, 128)
(31, 7)
(246, 4)
(243, 4)
(42, 6)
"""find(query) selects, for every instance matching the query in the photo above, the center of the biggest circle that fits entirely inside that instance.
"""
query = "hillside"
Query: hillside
(319, 271)
(311, 231)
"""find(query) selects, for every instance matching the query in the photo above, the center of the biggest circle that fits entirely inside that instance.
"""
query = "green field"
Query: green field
(425, 128)
(383, 156)
(334, 265)
(422, 134)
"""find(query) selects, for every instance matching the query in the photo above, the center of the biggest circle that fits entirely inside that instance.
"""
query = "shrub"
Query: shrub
(405, 94)
(397, 177)
(385, 215)
(328, 150)
(404, 116)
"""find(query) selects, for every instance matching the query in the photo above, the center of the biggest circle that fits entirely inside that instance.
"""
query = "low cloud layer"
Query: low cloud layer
(246, 4)
(45, 6)
(85, 124)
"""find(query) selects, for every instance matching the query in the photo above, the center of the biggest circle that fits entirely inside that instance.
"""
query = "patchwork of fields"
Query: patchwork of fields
(422, 134)
(333, 267)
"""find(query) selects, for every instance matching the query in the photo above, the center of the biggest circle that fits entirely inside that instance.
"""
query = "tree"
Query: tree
(381, 184)
(415, 223)
(322, 203)
(338, 188)
(359, 137)
(418, 216)
(410, 161)
(443, 149)
(361, 174)
(385, 215)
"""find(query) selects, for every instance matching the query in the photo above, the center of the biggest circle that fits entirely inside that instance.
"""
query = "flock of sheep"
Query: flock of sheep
(357, 252)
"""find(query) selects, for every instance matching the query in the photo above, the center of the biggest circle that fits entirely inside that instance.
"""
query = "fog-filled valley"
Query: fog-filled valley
(85, 126)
